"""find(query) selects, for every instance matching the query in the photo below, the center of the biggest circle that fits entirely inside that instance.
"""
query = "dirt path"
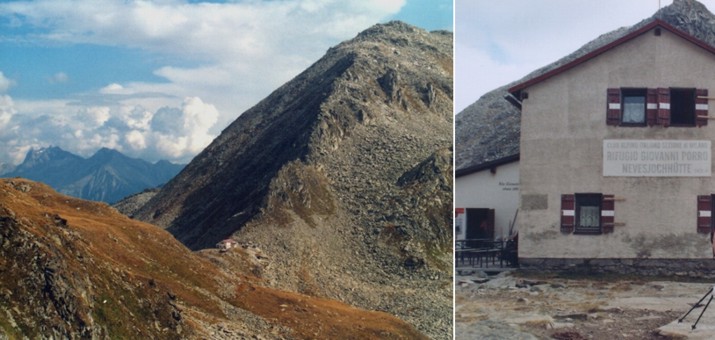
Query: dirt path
(512, 306)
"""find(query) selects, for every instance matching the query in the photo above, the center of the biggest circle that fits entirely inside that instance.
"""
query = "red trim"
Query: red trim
(613, 116)
(701, 116)
(704, 222)
(652, 102)
(568, 203)
(607, 222)
(578, 61)
(663, 112)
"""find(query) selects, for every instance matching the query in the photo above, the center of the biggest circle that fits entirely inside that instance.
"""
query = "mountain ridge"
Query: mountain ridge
(107, 176)
(311, 174)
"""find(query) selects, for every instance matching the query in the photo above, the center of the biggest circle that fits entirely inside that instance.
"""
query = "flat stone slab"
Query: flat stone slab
(683, 330)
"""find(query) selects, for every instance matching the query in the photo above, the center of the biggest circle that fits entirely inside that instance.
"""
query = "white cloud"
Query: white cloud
(112, 88)
(59, 77)
(207, 31)
(221, 57)
(5, 83)
(97, 115)
(135, 139)
(7, 110)
(184, 131)
(176, 133)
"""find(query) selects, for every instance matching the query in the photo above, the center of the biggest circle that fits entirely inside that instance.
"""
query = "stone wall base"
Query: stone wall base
(695, 268)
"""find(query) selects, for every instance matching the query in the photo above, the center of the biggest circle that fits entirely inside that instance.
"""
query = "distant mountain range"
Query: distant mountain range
(107, 176)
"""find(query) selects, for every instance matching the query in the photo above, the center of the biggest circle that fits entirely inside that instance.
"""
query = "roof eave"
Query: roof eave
(487, 165)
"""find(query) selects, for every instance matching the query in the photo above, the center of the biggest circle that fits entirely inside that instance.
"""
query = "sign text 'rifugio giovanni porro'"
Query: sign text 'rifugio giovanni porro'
(656, 158)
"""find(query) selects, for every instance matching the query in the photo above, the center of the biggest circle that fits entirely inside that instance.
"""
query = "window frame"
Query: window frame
(587, 200)
(634, 92)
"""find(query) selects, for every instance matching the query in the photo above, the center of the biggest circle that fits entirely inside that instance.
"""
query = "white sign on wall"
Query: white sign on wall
(656, 158)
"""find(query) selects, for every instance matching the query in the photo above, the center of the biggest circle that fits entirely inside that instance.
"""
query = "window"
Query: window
(587, 213)
(634, 107)
(681, 107)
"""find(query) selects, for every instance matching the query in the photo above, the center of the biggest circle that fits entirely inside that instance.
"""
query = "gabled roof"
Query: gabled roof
(605, 48)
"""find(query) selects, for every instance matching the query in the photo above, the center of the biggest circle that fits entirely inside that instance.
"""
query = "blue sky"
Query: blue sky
(85, 75)
(497, 42)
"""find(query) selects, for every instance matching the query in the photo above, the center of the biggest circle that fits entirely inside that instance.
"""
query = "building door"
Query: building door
(480, 223)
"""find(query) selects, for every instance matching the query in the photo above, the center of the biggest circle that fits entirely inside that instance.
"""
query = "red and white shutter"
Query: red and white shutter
(613, 115)
(568, 213)
(664, 107)
(652, 107)
(701, 107)
(704, 213)
(607, 213)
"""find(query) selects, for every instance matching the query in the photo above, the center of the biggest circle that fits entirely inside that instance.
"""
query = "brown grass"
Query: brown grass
(135, 265)
(320, 318)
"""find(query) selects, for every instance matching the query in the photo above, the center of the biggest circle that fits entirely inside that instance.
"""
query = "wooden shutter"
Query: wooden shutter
(568, 213)
(613, 114)
(664, 107)
(704, 213)
(607, 214)
(652, 107)
(701, 107)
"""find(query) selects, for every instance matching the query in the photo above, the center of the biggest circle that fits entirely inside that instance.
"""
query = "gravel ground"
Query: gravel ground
(515, 306)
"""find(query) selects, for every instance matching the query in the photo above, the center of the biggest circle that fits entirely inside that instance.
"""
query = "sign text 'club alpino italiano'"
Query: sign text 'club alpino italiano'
(656, 158)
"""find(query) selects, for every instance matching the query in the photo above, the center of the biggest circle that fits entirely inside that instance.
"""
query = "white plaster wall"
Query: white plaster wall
(493, 191)
(563, 128)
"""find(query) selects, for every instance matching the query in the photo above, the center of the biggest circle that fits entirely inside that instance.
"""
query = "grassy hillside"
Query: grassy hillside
(72, 268)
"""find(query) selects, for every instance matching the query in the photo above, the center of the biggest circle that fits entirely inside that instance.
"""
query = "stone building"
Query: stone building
(615, 157)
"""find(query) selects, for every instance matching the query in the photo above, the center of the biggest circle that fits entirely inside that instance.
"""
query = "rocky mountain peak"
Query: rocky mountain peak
(393, 31)
(690, 16)
(373, 80)
(313, 172)
(686, 10)
(46, 154)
